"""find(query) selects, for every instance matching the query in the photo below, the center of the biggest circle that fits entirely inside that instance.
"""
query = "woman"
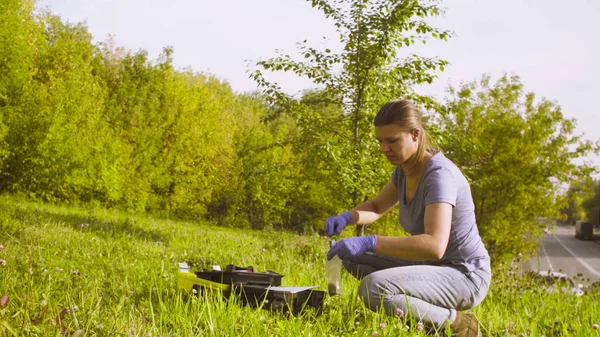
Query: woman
(442, 268)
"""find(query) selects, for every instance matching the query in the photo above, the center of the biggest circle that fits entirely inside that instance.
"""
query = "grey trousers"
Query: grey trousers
(431, 294)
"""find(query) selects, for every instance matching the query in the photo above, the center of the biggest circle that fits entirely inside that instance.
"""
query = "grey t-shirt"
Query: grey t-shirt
(442, 181)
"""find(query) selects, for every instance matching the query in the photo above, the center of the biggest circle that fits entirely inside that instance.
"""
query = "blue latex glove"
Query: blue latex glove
(335, 224)
(353, 246)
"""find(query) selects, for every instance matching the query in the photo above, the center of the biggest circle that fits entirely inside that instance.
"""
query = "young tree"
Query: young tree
(368, 72)
(516, 152)
(575, 197)
(591, 205)
(175, 128)
(55, 118)
(17, 29)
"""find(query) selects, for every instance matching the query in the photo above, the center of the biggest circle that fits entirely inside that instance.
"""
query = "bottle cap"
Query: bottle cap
(333, 241)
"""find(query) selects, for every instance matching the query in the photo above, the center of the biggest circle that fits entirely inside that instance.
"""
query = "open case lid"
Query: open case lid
(241, 275)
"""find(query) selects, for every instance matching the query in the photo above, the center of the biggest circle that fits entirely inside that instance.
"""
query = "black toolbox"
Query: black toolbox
(256, 289)
(293, 300)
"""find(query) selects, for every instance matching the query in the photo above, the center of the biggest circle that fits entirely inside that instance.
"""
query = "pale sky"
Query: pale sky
(553, 45)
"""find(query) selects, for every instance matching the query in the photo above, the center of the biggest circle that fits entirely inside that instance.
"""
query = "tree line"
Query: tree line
(95, 124)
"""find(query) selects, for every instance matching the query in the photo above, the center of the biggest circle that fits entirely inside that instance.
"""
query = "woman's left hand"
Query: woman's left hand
(353, 246)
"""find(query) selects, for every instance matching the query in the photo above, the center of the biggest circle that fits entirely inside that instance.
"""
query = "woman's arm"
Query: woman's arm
(428, 246)
(373, 209)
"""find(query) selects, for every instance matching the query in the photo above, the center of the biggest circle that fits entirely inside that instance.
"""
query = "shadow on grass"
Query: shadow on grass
(127, 226)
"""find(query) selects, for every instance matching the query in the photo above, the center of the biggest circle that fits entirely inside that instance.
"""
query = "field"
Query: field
(67, 271)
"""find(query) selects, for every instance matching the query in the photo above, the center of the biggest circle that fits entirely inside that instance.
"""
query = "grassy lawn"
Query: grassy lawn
(82, 272)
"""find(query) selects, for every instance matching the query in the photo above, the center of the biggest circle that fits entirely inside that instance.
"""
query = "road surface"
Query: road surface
(561, 252)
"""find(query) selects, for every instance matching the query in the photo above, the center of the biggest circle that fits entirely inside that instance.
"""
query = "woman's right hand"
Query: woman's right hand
(335, 224)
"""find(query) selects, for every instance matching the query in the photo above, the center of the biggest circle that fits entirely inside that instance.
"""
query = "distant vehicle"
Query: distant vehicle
(584, 230)
(556, 281)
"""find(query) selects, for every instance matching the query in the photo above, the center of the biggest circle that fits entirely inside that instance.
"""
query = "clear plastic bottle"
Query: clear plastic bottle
(334, 277)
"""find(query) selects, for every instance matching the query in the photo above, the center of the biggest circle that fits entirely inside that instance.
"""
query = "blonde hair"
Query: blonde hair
(407, 115)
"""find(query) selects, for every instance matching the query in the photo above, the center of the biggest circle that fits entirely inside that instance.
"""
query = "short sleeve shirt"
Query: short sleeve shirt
(442, 181)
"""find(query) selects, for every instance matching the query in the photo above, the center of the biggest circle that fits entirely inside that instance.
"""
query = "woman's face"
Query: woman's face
(396, 143)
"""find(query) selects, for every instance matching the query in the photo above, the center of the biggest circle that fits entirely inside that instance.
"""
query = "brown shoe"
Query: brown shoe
(466, 324)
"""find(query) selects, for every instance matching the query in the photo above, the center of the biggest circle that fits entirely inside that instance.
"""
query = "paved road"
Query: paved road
(560, 251)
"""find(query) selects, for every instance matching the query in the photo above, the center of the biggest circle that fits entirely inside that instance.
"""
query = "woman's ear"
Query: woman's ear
(416, 133)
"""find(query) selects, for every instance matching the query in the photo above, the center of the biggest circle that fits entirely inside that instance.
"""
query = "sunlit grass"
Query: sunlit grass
(76, 271)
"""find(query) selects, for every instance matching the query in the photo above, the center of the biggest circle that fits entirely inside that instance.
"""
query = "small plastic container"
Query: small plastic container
(334, 276)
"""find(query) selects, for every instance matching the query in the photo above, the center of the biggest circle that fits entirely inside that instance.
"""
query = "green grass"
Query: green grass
(117, 276)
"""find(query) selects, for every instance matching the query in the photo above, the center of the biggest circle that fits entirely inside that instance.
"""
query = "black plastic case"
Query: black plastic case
(293, 300)
(262, 289)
